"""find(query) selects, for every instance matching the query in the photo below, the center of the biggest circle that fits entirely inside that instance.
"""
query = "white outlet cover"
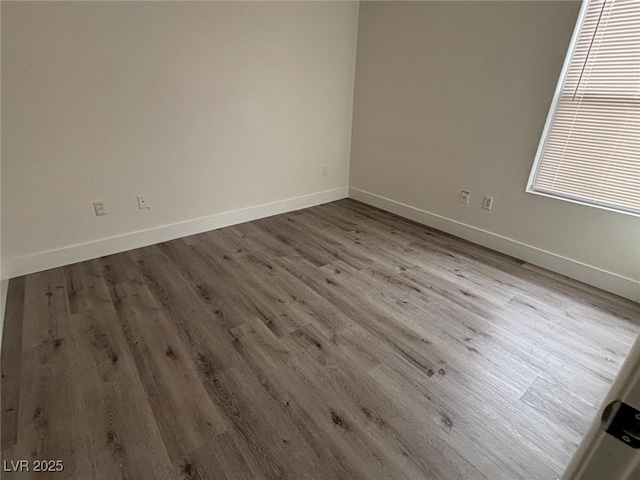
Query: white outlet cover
(142, 202)
(99, 208)
(487, 203)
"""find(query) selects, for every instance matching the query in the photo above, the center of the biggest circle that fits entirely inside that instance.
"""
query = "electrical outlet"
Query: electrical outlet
(464, 197)
(325, 171)
(487, 203)
(99, 208)
(142, 202)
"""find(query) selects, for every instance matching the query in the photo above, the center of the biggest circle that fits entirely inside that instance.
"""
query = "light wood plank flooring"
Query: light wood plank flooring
(336, 342)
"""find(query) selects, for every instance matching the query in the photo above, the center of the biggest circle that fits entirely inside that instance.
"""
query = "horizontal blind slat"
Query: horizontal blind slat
(592, 147)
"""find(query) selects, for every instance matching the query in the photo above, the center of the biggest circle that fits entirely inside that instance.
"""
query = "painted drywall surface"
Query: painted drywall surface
(453, 96)
(4, 284)
(204, 107)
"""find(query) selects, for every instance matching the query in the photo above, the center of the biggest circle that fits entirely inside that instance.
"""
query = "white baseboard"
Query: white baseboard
(597, 277)
(14, 267)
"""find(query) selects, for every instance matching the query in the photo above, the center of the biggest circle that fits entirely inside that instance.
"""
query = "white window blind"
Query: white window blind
(590, 149)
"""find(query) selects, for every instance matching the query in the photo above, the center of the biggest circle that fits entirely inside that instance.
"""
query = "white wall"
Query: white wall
(205, 107)
(4, 283)
(453, 96)
(222, 112)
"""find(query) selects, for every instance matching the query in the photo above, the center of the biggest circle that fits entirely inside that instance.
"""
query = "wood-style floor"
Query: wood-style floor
(337, 342)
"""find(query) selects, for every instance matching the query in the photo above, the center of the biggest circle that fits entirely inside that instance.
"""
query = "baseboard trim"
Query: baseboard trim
(597, 277)
(15, 267)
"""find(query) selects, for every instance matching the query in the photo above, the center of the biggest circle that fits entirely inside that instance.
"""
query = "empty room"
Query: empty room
(320, 240)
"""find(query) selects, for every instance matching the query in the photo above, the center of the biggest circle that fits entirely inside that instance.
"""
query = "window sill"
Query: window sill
(583, 202)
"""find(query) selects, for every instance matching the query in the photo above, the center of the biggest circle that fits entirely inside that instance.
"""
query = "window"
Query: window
(590, 148)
